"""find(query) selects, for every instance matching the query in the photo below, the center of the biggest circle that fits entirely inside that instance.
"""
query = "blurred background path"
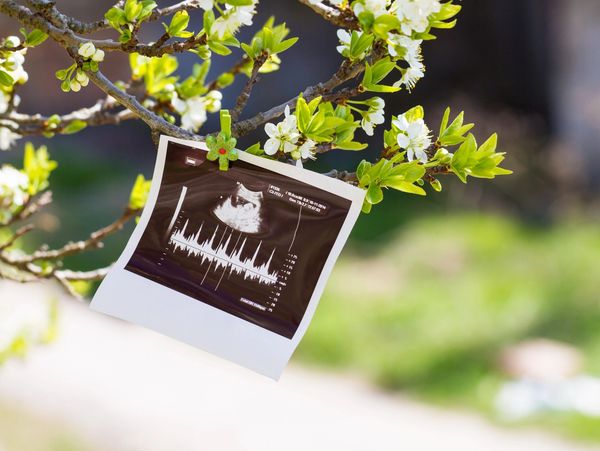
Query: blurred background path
(122, 387)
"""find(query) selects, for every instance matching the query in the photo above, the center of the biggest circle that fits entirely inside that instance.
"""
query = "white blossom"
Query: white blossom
(414, 137)
(13, 187)
(205, 4)
(232, 19)
(4, 102)
(409, 50)
(7, 136)
(414, 14)
(98, 55)
(411, 75)
(374, 115)
(192, 111)
(306, 149)
(344, 38)
(213, 101)
(282, 136)
(13, 65)
(87, 50)
(376, 7)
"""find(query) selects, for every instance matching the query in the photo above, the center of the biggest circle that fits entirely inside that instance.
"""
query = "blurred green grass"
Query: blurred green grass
(429, 312)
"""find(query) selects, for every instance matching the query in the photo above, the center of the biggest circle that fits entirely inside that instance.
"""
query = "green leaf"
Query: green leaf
(376, 73)
(367, 207)
(139, 193)
(359, 44)
(383, 88)
(489, 147)
(238, 2)
(115, 17)
(38, 167)
(381, 69)
(398, 183)
(384, 24)
(132, 10)
(35, 38)
(351, 145)
(74, 127)
(415, 114)
(374, 194)
(409, 172)
(179, 23)
(255, 149)
(6, 79)
(218, 48)
(362, 169)
(284, 45)
(445, 120)
(147, 7)
(303, 114)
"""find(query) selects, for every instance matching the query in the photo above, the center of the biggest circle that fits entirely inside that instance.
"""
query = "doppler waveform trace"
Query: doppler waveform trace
(215, 251)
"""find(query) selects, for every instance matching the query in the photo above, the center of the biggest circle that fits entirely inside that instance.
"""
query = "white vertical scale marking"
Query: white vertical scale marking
(178, 209)
(297, 225)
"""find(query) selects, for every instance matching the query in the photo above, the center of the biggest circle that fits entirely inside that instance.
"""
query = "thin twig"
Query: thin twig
(94, 241)
(18, 234)
(234, 70)
(242, 99)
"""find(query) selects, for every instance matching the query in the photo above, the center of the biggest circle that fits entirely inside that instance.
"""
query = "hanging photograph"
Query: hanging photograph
(233, 262)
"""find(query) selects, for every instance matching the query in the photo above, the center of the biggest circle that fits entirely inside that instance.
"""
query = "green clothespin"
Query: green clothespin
(222, 147)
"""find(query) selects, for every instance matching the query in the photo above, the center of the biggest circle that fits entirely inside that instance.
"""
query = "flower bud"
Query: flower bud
(12, 42)
(87, 50)
(82, 78)
(75, 85)
(98, 56)
(443, 156)
(436, 185)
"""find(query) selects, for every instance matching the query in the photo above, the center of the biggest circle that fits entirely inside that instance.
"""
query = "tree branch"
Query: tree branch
(154, 121)
(340, 18)
(99, 114)
(68, 275)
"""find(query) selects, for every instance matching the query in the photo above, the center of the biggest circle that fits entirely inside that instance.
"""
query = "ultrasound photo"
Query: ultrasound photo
(247, 241)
